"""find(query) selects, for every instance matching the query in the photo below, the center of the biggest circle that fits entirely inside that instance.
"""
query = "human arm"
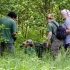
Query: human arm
(68, 30)
(14, 30)
(67, 25)
(49, 31)
(49, 38)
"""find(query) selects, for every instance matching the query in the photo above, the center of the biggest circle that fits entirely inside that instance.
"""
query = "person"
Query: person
(27, 43)
(51, 29)
(29, 47)
(8, 31)
(66, 16)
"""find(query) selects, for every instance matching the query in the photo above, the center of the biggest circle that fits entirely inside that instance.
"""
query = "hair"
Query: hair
(66, 12)
(12, 14)
(51, 16)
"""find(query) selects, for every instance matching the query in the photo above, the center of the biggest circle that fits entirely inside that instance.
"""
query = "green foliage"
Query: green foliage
(1, 37)
(32, 13)
(32, 33)
(31, 24)
(21, 61)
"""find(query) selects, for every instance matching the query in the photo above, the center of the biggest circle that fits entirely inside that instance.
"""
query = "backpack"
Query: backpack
(60, 32)
(40, 48)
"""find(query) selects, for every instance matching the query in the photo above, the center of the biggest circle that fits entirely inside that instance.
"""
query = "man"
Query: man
(8, 32)
(51, 29)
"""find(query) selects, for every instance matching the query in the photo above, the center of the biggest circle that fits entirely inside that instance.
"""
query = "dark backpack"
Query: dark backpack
(40, 48)
(60, 32)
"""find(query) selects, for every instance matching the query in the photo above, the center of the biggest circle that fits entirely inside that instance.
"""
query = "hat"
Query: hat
(28, 41)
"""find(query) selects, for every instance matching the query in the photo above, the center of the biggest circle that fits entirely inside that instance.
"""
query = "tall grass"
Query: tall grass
(22, 61)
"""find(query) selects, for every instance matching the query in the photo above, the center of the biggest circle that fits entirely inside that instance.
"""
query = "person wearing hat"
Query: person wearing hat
(51, 30)
(66, 16)
(28, 43)
(29, 47)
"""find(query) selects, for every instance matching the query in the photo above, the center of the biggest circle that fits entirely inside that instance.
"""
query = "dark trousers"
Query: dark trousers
(67, 46)
(9, 46)
(2, 47)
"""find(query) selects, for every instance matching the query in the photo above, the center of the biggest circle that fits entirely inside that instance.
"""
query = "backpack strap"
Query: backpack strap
(55, 24)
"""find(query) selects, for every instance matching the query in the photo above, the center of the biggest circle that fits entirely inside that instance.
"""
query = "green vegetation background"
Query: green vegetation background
(31, 23)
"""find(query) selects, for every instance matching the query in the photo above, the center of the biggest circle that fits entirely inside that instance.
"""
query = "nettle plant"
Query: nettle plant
(2, 27)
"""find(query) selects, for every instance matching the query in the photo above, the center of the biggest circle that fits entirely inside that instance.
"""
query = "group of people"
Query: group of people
(51, 29)
(8, 32)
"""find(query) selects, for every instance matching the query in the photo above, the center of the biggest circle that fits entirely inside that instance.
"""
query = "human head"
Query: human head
(50, 17)
(12, 15)
(65, 13)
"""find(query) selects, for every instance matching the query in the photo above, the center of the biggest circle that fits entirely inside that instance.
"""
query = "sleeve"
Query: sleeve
(49, 27)
(14, 27)
(67, 22)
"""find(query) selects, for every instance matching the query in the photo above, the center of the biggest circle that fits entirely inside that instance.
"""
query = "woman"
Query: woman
(66, 16)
